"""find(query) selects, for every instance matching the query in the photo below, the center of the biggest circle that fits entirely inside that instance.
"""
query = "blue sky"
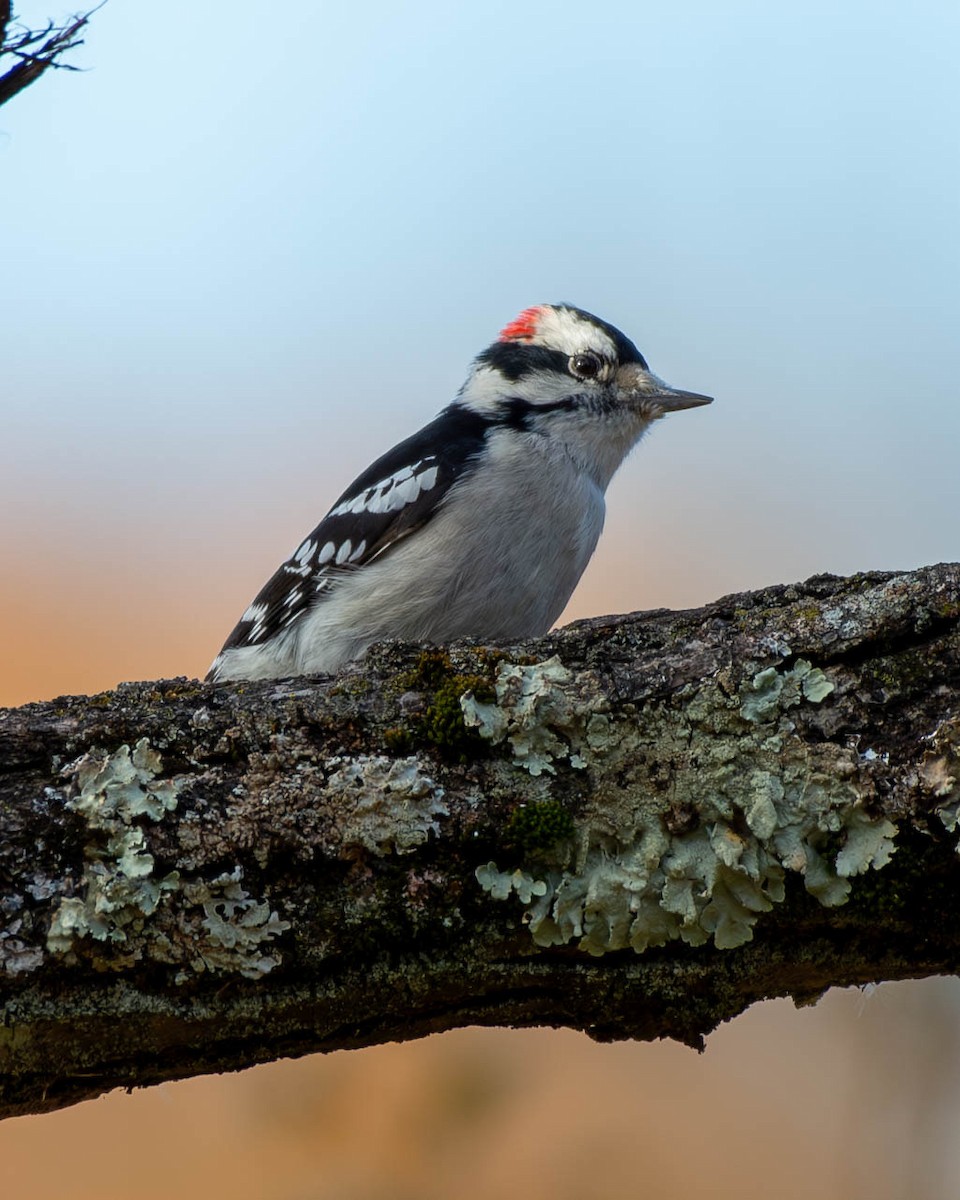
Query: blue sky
(249, 251)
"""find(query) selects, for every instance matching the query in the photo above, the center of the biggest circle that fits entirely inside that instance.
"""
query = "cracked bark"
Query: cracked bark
(346, 940)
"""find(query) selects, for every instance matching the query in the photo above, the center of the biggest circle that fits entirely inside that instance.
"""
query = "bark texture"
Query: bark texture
(635, 827)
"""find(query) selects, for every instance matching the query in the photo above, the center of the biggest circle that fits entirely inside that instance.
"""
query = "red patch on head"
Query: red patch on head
(524, 328)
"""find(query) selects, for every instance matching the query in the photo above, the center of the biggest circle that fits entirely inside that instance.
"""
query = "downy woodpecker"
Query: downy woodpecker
(481, 524)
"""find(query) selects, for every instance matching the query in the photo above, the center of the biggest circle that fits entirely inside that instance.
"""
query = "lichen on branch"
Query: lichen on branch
(635, 827)
(759, 800)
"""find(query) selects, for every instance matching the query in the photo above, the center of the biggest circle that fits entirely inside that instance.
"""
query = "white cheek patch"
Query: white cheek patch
(486, 389)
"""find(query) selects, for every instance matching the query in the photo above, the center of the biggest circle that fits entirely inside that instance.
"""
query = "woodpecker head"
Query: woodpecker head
(561, 372)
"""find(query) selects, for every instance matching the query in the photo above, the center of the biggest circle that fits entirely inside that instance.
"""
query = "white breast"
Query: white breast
(498, 562)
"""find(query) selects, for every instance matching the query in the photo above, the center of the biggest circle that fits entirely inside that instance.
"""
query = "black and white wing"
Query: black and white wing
(392, 499)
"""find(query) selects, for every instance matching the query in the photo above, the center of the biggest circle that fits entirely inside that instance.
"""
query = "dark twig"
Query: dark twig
(50, 43)
(5, 14)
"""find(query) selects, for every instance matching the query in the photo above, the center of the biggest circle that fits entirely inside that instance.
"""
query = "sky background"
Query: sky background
(250, 249)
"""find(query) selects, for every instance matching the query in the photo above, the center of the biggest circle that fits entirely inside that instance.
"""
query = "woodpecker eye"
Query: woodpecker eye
(586, 366)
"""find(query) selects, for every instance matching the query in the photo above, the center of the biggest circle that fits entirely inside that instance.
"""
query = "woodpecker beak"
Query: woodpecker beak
(647, 390)
(672, 400)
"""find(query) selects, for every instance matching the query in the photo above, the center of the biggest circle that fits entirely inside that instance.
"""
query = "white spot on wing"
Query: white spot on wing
(327, 553)
(358, 553)
(305, 551)
(407, 492)
(254, 618)
(392, 493)
(344, 552)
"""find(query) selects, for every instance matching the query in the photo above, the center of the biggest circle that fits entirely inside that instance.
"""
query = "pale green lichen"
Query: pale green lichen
(501, 884)
(533, 703)
(235, 928)
(771, 691)
(869, 843)
(117, 891)
(207, 925)
(383, 803)
(763, 802)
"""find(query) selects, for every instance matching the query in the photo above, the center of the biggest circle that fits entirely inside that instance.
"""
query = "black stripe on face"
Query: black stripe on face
(515, 360)
(517, 413)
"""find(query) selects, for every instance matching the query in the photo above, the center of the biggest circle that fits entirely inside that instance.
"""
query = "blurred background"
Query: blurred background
(250, 248)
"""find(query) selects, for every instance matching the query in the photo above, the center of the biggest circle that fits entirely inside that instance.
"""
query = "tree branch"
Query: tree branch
(635, 827)
(36, 51)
